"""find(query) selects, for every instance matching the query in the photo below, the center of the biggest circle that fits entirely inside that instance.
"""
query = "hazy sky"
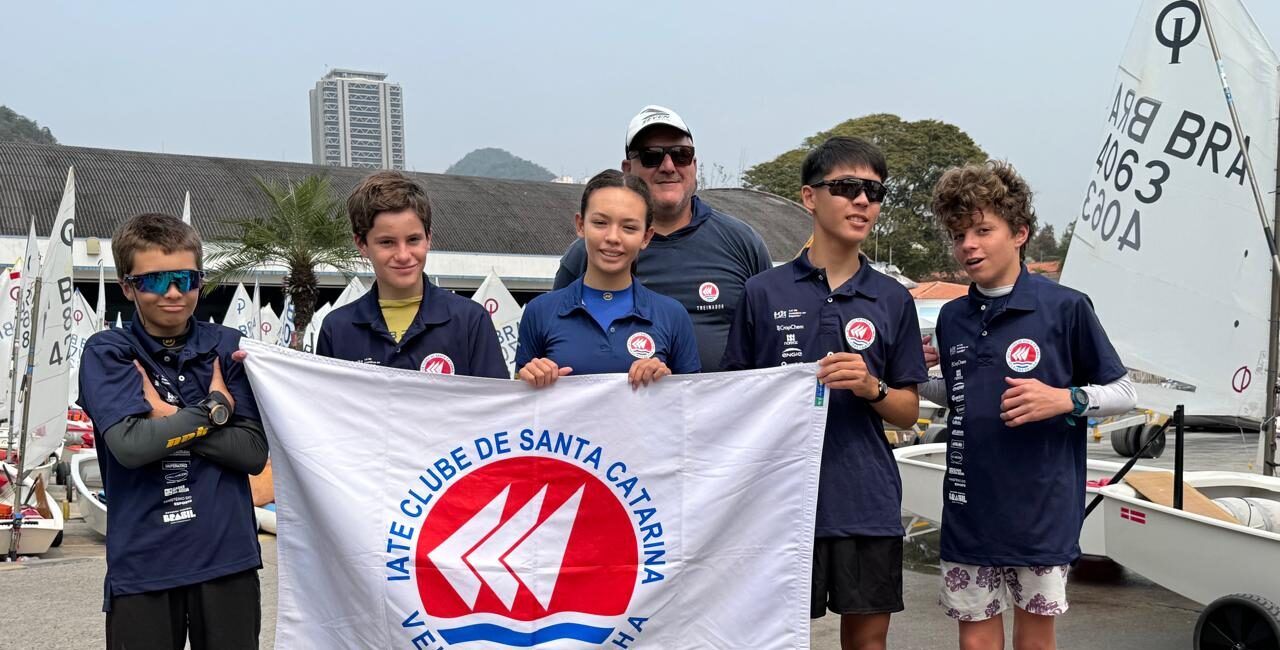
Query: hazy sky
(556, 83)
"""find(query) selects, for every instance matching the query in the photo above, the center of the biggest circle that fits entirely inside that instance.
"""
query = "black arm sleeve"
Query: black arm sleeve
(136, 441)
(240, 445)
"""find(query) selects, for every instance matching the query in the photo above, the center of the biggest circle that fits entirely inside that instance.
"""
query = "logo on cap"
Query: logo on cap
(437, 364)
(860, 333)
(640, 345)
(1022, 355)
(709, 292)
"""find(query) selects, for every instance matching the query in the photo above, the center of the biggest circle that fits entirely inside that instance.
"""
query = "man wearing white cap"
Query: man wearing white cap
(700, 256)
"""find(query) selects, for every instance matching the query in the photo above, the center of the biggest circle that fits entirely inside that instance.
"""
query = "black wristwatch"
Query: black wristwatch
(217, 407)
(884, 392)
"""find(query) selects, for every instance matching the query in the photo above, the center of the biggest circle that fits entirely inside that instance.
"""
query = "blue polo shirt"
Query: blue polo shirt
(790, 315)
(557, 326)
(703, 266)
(1013, 496)
(183, 519)
(449, 335)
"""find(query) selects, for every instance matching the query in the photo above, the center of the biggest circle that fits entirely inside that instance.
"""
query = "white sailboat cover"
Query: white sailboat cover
(86, 323)
(22, 330)
(240, 314)
(46, 418)
(484, 514)
(1168, 242)
(505, 312)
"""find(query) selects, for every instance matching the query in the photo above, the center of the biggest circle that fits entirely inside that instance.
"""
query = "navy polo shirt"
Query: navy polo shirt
(790, 315)
(703, 266)
(183, 519)
(450, 335)
(1013, 496)
(557, 326)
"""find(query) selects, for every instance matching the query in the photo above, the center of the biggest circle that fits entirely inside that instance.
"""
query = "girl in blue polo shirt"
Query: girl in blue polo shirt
(605, 321)
(1024, 362)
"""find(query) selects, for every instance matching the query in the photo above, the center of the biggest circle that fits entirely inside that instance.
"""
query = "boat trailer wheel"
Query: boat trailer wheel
(1239, 622)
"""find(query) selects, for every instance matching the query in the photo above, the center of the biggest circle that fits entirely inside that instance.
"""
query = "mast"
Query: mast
(1267, 442)
(15, 531)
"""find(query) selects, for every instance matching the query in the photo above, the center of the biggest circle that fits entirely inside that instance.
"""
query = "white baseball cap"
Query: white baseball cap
(654, 115)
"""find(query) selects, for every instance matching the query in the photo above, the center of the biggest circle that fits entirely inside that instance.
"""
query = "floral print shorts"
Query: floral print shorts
(977, 593)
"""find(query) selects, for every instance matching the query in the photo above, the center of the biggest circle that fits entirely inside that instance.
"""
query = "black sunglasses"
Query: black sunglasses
(850, 188)
(160, 281)
(681, 155)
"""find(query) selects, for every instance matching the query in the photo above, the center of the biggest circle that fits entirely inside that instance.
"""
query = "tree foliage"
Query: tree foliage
(499, 163)
(16, 128)
(917, 154)
(1043, 246)
(304, 229)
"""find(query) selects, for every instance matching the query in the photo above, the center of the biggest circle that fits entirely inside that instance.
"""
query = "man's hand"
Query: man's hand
(930, 352)
(217, 384)
(159, 407)
(847, 370)
(542, 372)
(646, 371)
(1030, 400)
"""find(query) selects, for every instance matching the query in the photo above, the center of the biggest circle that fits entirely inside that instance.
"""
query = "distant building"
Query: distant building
(567, 180)
(357, 120)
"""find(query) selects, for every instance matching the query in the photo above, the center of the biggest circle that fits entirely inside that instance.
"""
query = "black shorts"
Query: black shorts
(856, 575)
(223, 613)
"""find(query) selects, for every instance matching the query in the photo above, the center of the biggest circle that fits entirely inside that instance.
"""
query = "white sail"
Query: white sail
(354, 289)
(46, 415)
(186, 209)
(86, 323)
(505, 312)
(268, 324)
(1168, 242)
(287, 328)
(240, 314)
(118, 323)
(255, 332)
(312, 334)
(10, 292)
(21, 331)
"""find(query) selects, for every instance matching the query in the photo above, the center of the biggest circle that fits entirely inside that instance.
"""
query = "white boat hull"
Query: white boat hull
(1195, 556)
(923, 467)
(37, 535)
(86, 476)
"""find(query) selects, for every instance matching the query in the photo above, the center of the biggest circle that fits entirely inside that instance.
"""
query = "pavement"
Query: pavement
(56, 600)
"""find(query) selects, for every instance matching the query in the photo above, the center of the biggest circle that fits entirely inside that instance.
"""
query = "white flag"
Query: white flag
(505, 312)
(481, 513)
(240, 314)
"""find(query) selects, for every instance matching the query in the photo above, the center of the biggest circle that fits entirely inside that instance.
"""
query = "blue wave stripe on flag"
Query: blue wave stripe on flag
(499, 634)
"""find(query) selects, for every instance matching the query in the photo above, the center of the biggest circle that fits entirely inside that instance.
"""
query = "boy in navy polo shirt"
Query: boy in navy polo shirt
(1024, 362)
(829, 305)
(178, 434)
(404, 321)
(605, 321)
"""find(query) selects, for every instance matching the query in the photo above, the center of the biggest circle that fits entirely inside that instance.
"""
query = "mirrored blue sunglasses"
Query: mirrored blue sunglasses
(160, 281)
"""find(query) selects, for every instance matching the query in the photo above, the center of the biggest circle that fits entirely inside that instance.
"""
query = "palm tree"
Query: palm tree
(304, 229)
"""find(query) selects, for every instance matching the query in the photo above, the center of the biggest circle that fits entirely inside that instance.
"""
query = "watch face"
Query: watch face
(218, 415)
